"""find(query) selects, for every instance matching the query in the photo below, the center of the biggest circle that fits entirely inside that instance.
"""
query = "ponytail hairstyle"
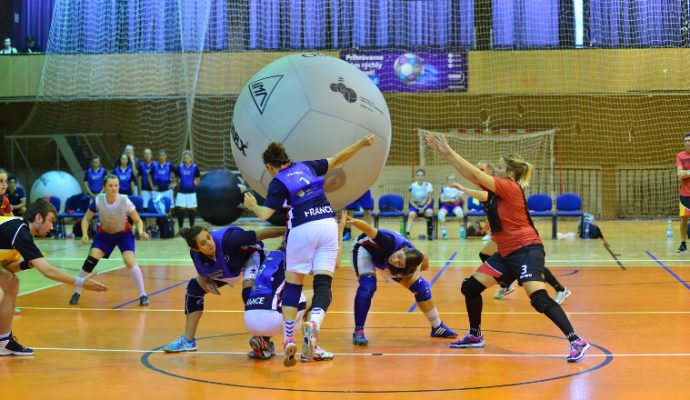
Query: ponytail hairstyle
(275, 155)
(519, 169)
(190, 234)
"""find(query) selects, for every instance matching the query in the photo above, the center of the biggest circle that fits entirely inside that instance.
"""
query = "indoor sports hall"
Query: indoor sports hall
(592, 95)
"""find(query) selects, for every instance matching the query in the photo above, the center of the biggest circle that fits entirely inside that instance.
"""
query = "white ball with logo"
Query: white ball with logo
(315, 105)
(55, 184)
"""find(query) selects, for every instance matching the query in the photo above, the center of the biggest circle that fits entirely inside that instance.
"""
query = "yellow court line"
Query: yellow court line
(371, 312)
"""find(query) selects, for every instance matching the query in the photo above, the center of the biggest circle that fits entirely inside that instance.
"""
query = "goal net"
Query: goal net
(610, 77)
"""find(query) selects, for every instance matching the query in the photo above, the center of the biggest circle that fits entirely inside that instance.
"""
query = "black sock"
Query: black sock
(191, 219)
(551, 280)
(180, 218)
(557, 315)
(474, 306)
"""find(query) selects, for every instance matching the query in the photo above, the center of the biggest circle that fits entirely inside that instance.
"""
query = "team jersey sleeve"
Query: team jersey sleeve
(24, 244)
(129, 206)
(233, 240)
(197, 174)
(277, 193)
(679, 161)
(506, 189)
(92, 206)
(384, 240)
(320, 167)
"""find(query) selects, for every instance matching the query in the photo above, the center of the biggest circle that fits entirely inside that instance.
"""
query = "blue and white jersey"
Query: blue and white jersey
(95, 179)
(187, 176)
(161, 175)
(381, 247)
(145, 170)
(299, 187)
(234, 246)
(125, 176)
(419, 194)
(268, 284)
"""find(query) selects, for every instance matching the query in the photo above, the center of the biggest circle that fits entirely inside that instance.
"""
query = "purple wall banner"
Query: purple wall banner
(412, 71)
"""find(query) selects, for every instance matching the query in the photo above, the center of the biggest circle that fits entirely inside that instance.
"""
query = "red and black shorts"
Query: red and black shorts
(524, 264)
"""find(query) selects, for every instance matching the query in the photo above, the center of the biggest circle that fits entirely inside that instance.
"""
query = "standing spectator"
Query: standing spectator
(189, 176)
(17, 197)
(5, 206)
(683, 167)
(7, 47)
(133, 162)
(161, 176)
(125, 174)
(145, 170)
(93, 177)
(31, 45)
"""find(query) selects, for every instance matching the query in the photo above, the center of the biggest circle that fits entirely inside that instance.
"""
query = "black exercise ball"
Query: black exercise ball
(219, 197)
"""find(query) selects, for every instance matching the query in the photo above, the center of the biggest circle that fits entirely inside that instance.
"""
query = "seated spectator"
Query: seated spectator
(31, 45)
(421, 203)
(451, 202)
(7, 47)
(5, 206)
(17, 197)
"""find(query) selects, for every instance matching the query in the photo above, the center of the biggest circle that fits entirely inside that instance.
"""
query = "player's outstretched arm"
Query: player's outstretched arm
(56, 274)
(262, 212)
(268, 233)
(347, 153)
(363, 226)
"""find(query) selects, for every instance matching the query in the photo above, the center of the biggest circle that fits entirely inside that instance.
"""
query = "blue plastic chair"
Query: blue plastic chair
(541, 205)
(391, 205)
(567, 205)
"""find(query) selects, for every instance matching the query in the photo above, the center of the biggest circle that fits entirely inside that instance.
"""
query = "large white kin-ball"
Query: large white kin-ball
(315, 105)
(56, 184)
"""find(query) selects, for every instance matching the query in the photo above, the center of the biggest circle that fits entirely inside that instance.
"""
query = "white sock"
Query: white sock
(5, 336)
(82, 274)
(288, 330)
(135, 273)
(317, 316)
(432, 316)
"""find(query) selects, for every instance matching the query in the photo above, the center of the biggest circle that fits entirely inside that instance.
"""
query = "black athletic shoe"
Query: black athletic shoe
(10, 347)
(74, 299)
(144, 300)
(682, 248)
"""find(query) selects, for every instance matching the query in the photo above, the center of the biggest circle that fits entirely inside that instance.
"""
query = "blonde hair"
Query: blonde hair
(518, 168)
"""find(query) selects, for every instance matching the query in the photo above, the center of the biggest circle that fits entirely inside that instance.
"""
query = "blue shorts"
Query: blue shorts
(365, 202)
(419, 212)
(107, 242)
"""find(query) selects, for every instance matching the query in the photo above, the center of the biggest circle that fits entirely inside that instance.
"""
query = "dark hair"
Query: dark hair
(162, 151)
(420, 170)
(40, 207)
(95, 157)
(275, 155)
(686, 134)
(12, 177)
(30, 38)
(190, 234)
(413, 258)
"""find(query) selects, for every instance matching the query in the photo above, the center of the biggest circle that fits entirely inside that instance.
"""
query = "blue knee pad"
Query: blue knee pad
(194, 298)
(291, 295)
(367, 286)
(421, 290)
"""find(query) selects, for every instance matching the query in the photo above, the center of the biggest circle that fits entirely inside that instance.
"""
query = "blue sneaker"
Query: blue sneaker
(347, 236)
(358, 339)
(468, 341)
(577, 350)
(180, 344)
(443, 331)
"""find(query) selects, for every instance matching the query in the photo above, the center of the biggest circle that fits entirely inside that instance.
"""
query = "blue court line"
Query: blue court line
(152, 294)
(438, 275)
(673, 274)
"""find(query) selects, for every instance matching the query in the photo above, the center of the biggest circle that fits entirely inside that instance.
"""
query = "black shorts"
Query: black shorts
(524, 264)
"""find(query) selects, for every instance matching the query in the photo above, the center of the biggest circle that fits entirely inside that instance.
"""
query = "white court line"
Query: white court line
(531, 313)
(441, 262)
(589, 355)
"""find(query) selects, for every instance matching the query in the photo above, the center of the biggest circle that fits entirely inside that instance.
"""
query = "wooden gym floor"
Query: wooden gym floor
(636, 314)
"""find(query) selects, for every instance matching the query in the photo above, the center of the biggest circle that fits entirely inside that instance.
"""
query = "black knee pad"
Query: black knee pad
(472, 287)
(483, 256)
(541, 301)
(194, 298)
(89, 264)
(322, 292)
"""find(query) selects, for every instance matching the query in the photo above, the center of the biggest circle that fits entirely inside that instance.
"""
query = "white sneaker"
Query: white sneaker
(319, 355)
(561, 296)
(502, 292)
